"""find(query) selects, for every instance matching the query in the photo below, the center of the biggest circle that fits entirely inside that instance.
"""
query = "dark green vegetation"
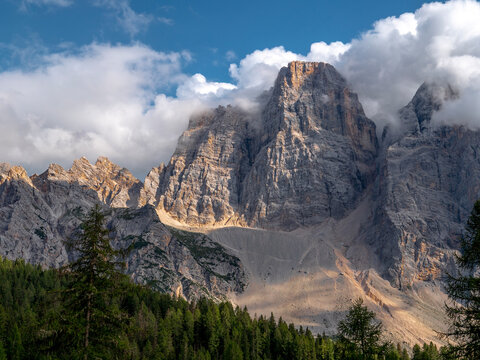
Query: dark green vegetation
(464, 290)
(360, 329)
(89, 310)
(159, 326)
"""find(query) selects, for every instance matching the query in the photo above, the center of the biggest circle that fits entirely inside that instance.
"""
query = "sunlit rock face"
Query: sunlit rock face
(292, 207)
(307, 156)
(39, 213)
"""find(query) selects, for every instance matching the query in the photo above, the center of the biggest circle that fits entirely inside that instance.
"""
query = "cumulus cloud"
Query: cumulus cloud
(111, 100)
(102, 100)
(439, 42)
(198, 86)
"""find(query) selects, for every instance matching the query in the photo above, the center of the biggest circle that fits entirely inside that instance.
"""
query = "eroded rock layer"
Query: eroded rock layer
(307, 156)
(38, 214)
(335, 214)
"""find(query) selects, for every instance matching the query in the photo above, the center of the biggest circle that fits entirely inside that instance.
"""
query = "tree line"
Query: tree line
(90, 310)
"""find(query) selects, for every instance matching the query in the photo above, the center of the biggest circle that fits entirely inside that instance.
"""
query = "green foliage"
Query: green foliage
(92, 321)
(464, 291)
(158, 326)
(361, 330)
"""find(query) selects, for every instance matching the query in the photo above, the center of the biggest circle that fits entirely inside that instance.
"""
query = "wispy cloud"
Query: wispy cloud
(166, 21)
(230, 55)
(131, 21)
(61, 3)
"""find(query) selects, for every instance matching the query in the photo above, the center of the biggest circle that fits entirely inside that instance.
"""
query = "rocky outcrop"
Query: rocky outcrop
(115, 186)
(203, 180)
(38, 214)
(317, 152)
(429, 179)
(308, 156)
(334, 212)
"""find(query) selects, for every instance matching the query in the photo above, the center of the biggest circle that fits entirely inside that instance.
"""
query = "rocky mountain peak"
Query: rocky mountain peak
(430, 96)
(114, 185)
(8, 172)
(298, 74)
(288, 166)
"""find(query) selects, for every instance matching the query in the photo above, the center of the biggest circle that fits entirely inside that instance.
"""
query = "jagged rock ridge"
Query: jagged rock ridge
(38, 214)
(306, 171)
(429, 178)
(308, 156)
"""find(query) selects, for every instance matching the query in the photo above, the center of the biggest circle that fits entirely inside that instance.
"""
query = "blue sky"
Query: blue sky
(216, 33)
(121, 78)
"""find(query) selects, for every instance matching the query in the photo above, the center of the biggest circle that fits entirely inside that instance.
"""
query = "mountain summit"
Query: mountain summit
(290, 209)
(308, 156)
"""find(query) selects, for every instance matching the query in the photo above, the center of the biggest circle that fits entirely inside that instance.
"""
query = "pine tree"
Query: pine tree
(464, 291)
(94, 320)
(360, 328)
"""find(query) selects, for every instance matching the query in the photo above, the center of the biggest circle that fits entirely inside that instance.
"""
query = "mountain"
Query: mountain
(38, 213)
(307, 157)
(293, 209)
(428, 181)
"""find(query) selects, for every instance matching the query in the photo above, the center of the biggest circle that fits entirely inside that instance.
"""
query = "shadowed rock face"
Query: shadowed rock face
(308, 156)
(38, 214)
(429, 179)
(335, 213)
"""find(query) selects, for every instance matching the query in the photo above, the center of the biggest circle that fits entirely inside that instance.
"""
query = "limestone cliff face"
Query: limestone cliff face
(428, 181)
(202, 182)
(308, 156)
(38, 214)
(317, 151)
(115, 186)
(329, 203)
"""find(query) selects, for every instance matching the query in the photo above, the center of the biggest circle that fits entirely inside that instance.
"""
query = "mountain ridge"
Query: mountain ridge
(300, 200)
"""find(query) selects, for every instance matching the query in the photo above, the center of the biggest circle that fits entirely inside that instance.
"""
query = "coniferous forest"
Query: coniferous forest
(90, 310)
(158, 326)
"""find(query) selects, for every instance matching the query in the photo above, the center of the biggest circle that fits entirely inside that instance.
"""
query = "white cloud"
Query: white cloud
(111, 100)
(386, 65)
(131, 21)
(60, 3)
(439, 42)
(102, 100)
(166, 21)
(259, 69)
(198, 86)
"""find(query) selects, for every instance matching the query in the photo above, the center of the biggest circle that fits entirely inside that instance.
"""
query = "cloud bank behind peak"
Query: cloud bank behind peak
(112, 99)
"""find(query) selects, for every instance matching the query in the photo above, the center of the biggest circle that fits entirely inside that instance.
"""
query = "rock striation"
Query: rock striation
(38, 214)
(115, 186)
(307, 156)
(298, 199)
(429, 178)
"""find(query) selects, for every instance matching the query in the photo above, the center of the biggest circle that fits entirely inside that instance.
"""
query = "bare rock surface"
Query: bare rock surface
(38, 214)
(308, 156)
(295, 208)
(429, 178)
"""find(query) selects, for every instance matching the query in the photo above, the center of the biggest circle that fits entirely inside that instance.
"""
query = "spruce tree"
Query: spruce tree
(464, 291)
(360, 328)
(94, 319)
